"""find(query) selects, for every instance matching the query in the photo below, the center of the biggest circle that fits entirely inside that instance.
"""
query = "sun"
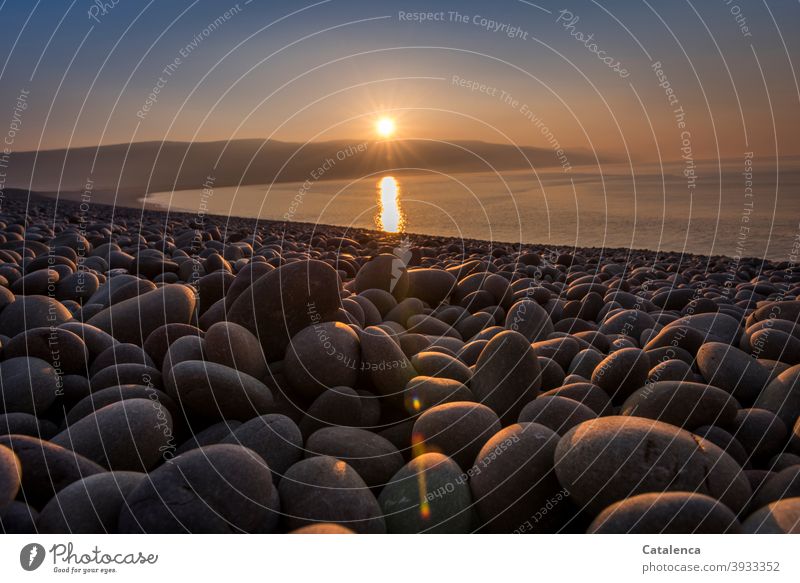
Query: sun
(385, 127)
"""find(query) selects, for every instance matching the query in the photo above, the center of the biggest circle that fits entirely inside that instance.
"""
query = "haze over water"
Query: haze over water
(584, 209)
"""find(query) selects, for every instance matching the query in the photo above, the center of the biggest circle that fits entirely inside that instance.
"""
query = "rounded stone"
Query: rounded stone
(217, 489)
(429, 494)
(324, 489)
(134, 319)
(761, 432)
(284, 301)
(274, 437)
(437, 364)
(781, 517)
(513, 480)
(507, 375)
(10, 469)
(458, 430)
(782, 396)
(385, 272)
(383, 363)
(374, 458)
(432, 286)
(18, 518)
(424, 392)
(323, 528)
(666, 513)
(121, 353)
(321, 357)
(585, 393)
(27, 385)
(733, 370)
(214, 391)
(683, 404)
(622, 372)
(784, 484)
(60, 348)
(236, 347)
(669, 370)
(32, 311)
(559, 414)
(89, 506)
(46, 467)
(529, 319)
(128, 435)
(611, 458)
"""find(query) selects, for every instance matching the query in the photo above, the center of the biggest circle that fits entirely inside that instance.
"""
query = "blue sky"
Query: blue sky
(328, 70)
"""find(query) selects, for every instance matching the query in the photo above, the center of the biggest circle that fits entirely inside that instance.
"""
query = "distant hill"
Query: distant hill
(143, 167)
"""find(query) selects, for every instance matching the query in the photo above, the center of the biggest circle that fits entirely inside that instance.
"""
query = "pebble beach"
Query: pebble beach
(175, 373)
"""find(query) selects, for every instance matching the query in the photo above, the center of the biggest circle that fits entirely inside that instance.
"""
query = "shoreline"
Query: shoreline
(324, 228)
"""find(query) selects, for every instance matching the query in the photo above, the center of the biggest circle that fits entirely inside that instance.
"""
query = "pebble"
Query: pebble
(373, 457)
(214, 391)
(682, 404)
(611, 458)
(130, 435)
(217, 489)
(666, 513)
(89, 506)
(324, 489)
(430, 495)
(513, 482)
(137, 341)
(507, 375)
(321, 357)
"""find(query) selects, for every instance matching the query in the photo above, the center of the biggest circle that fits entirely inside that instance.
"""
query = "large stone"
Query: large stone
(458, 430)
(374, 458)
(89, 506)
(529, 319)
(274, 437)
(10, 469)
(507, 375)
(236, 347)
(214, 391)
(324, 489)
(622, 372)
(559, 414)
(430, 494)
(217, 489)
(666, 513)
(32, 312)
(321, 357)
(46, 467)
(128, 435)
(513, 480)
(611, 458)
(384, 363)
(134, 319)
(385, 272)
(432, 286)
(284, 301)
(782, 396)
(781, 517)
(27, 385)
(683, 404)
(733, 370)
(60, 348)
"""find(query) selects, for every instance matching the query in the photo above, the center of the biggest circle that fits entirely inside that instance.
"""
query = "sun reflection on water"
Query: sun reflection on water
(390, 217)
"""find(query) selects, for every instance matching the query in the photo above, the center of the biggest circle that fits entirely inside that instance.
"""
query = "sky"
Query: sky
(640, 80)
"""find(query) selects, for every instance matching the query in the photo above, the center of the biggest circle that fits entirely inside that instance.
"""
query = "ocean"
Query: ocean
(734, 210)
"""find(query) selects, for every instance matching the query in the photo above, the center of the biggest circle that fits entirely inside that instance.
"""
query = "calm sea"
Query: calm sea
(720, 212)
